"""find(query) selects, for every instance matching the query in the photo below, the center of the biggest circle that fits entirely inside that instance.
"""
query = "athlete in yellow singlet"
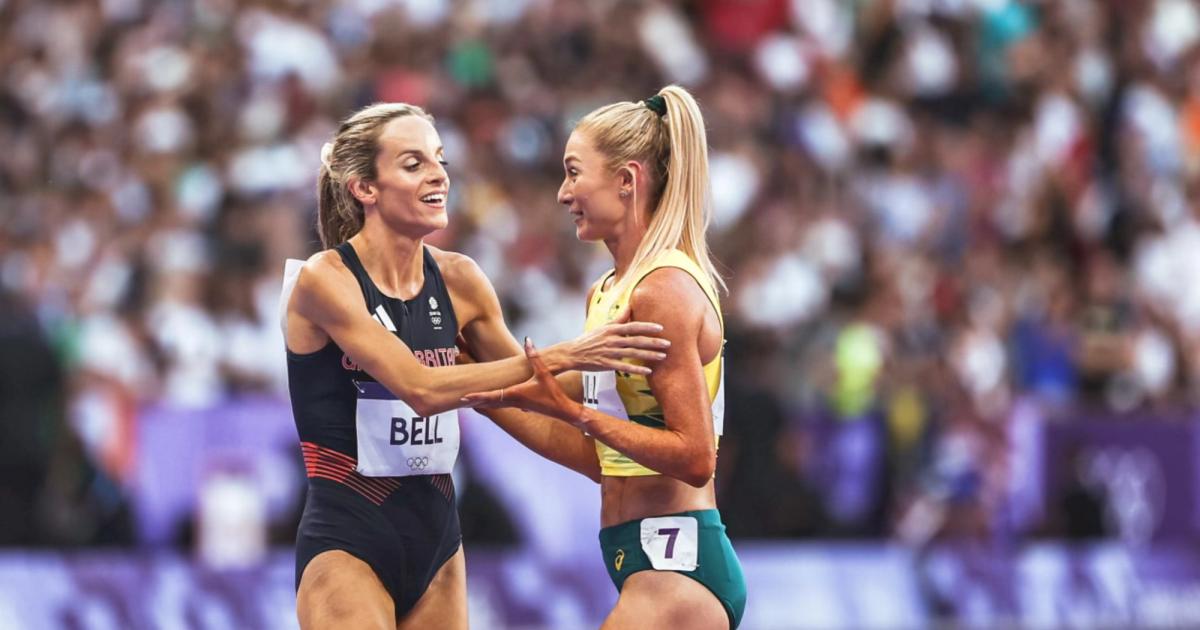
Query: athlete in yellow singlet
(636, 179)
(634, 399)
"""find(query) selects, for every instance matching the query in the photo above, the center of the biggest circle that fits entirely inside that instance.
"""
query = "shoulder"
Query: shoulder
(470, 290)
(669, 294)
(323, 270)
(459, 270)
(325, 286)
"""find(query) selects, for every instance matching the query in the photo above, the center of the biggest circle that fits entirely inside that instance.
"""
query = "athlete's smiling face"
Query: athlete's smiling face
(591, 191)
(411, 184)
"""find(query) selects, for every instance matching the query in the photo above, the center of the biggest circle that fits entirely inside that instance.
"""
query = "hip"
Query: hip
(625, 499)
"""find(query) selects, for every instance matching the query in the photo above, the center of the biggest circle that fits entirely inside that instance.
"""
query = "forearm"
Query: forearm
(558, 442)
(664, 450)
(442, 388)
(436, 389)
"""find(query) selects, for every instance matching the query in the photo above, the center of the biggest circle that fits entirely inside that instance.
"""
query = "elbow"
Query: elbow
(431, 405)
(702, 469)
(588, 466)
(424, 410)
(425, 397)
(697, 480)
(422, 401)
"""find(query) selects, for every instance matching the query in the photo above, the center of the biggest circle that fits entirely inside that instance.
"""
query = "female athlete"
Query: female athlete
(637, 180)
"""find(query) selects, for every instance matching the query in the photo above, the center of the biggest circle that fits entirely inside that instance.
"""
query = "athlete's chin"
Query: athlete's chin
(583, 233)
(417, 224)
(434, 222)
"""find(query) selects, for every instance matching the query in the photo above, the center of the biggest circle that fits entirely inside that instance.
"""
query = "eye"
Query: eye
(412, 167)
(573, 172)
(444, 163)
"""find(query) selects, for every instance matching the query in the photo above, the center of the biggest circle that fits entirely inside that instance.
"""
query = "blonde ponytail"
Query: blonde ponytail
(674, 149)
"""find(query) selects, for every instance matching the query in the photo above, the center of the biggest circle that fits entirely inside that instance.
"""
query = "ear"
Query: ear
(629, 177)
(363, 190)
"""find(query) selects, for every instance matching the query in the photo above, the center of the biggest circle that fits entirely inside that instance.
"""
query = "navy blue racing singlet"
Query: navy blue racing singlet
(404, 527)
(322, 383)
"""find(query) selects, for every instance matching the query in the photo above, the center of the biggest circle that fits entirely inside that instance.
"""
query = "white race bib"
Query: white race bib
(600, 393)
(671, 542)
(394, 441)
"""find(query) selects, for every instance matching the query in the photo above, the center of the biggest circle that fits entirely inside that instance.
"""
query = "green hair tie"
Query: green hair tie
(657, 104)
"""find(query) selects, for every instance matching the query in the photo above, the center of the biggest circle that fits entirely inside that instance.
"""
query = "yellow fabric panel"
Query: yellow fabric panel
(633, 389)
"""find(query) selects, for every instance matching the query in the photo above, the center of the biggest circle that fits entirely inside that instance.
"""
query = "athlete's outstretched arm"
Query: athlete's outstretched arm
(686, 448)
(327, 296)
(489, 339)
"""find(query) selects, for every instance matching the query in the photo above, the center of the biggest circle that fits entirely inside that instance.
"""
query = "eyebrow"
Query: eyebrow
(419, 152)
(571, 157)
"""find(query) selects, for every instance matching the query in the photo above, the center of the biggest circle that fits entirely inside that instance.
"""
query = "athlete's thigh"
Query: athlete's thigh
(663, 599)
(444, 604)
(338, 590)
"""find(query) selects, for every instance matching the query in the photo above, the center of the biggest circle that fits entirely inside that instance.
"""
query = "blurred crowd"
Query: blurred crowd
(939, 219)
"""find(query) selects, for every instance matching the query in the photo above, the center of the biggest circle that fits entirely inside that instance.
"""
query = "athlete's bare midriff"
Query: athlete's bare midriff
(625, 499)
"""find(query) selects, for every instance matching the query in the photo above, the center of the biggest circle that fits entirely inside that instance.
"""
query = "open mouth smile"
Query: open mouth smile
(437, 199)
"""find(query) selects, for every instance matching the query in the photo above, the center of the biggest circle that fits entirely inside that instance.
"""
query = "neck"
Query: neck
(622, 250)
(394, 261)
(624, 246)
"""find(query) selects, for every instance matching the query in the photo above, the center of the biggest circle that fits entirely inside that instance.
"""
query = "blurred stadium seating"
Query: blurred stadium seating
(959, 235)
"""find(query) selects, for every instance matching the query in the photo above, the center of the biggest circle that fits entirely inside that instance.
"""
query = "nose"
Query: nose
(565, 196)
(439, 174)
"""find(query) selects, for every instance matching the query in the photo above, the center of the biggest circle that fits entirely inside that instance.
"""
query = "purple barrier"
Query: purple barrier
(178, 448)
(790, 586)
(1145, 470)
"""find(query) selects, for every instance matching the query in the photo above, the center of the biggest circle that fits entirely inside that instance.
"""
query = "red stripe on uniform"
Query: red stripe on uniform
(325, 463)
(375, 495)
(444, 484)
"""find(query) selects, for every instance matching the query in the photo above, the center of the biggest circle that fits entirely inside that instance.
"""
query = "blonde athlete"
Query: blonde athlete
(637, 180)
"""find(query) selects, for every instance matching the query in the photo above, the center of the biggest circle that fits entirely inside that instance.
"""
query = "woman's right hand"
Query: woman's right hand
(613, 346)
(540, 394)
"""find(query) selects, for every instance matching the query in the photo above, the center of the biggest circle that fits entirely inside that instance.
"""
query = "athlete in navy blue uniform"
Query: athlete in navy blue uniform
(370, 326)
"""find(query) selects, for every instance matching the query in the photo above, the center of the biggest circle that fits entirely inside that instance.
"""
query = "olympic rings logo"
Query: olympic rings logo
(418, 463)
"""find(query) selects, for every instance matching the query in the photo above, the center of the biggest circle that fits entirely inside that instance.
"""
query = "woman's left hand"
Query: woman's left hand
(541, 393)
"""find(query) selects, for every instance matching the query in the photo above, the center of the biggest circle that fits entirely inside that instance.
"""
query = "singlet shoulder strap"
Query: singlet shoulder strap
(432, 271)
(678, 259)
(350, 257)
(597, 290)
(354, 263)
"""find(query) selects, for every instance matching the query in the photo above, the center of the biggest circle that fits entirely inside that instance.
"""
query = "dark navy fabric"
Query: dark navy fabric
(405, 528)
